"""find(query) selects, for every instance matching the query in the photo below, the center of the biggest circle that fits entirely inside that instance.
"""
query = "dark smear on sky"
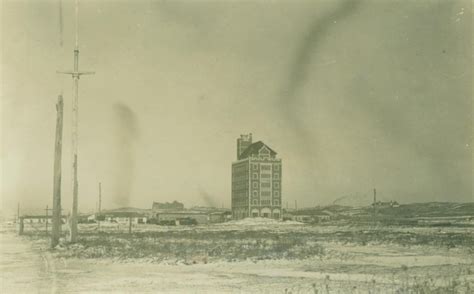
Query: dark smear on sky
(126, 135)
(207, 198)
(299, 72)
(319, 29)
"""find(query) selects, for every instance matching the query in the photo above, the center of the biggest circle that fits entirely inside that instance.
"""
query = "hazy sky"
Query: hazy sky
(351, 94)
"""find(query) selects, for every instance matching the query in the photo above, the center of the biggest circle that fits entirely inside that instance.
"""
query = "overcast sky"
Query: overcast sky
(351, 94)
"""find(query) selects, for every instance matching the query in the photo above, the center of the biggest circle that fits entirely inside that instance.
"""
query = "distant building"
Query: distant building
(184, 217)
(123, 217)
(381, 204)
(303, 218)
(39, 219)
(175, 205)
(177, 217)
(323, 216)
(256, 180)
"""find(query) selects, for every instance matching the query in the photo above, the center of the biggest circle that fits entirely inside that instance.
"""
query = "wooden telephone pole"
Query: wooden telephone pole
(98, 218)
(375, 206)
(46, 219)
(20, 221)
(100, 197)
(18, 212)
(56, 217)
(75, 73)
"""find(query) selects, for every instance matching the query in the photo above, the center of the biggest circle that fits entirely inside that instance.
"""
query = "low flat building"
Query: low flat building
(176, 216)
(390, 204)
(124, 217)
(218, 216)
(303, 218)
(40, 219)
(175, 205)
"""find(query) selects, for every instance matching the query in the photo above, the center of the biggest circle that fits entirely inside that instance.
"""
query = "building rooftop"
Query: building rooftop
(254, 148)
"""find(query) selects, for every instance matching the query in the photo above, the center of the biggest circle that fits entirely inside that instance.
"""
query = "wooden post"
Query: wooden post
(100, 197)
(21, 227)
(46, 220)
(18, 213)
(56, 216)
(100, 206)
(375, 206)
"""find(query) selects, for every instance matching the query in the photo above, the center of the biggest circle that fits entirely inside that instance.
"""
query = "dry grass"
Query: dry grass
(310, 249)
(235, 245)
(189, 246)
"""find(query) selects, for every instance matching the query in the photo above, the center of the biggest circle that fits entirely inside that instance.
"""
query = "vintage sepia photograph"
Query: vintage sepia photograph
(236, 146)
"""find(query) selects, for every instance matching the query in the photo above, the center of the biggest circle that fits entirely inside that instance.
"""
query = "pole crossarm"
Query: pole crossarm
(76, 74)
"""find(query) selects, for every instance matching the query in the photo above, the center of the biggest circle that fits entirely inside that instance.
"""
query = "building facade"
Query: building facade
(256, 180)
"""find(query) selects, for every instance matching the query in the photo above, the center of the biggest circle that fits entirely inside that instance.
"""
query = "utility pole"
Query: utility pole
(21, 227)
(46, 219)
(18, 212)
(100, 197)
(75, 121)
(20, 221)
(100, 203)
(375, 205)
(58, 147)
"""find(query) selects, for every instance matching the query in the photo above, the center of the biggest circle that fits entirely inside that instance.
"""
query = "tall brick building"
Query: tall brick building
(256, 180)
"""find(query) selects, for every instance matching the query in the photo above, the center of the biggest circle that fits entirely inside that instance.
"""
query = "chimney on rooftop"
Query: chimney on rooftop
(242, 143)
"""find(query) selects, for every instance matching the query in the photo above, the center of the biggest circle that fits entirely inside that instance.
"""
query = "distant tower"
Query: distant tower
(76, 74)
(256, 180)
(243, 143)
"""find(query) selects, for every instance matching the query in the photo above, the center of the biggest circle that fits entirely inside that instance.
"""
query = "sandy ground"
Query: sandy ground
(28, 267)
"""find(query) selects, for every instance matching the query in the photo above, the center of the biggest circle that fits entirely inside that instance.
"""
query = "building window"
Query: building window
(276, 176)
(276, 202)
(265, 185)
(266, 167)
(255, 193)
(266, 175)
(255, 176)
(255, 185)
(276, 193)
(276, 167)
(265, 193)
(255, 166)
(264, 152)
(276, 184)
